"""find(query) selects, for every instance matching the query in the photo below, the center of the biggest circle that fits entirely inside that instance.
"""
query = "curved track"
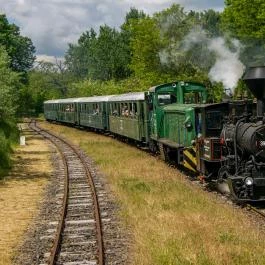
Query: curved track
(78, 239)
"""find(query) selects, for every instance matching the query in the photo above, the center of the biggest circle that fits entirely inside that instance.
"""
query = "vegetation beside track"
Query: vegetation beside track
(171, 220)
(20, 194)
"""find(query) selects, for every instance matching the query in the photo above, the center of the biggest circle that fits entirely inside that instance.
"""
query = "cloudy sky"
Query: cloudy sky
(52, 24)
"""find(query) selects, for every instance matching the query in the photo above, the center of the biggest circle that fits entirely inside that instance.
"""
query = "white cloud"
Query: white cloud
(48, 58)
(52, 24)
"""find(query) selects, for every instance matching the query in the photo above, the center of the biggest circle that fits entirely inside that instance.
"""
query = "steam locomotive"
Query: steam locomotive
(222, 143)
(243, 142)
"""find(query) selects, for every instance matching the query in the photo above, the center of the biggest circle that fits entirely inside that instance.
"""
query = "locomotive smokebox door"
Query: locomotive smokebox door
(212, 149)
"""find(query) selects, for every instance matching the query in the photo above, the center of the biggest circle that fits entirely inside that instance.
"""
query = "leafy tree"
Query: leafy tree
(79, 58)
(9, 83)
(20, 49)
(210, 20)
(101, 57)
(107, 55)
(145, 46)
(245, 18)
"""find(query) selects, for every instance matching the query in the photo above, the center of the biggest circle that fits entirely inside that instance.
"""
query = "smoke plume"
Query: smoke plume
(227, 69)
(208, 53)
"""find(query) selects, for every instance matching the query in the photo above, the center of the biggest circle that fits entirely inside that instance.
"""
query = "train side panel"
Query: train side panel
(94, 112)
(128, 116)
(50, 111)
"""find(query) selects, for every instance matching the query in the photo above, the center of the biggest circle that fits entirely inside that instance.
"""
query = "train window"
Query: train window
(114, 110)
(96, 109)
(214, 120)
(193, 97)
(125, 110)
(165, 99)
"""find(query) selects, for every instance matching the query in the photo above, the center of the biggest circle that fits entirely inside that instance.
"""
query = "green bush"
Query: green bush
(8, 137)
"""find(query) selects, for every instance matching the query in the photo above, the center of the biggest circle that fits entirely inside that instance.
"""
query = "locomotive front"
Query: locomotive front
(243, 141)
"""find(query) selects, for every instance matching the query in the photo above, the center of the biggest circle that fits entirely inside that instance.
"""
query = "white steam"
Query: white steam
(213, 54)
(227, 69)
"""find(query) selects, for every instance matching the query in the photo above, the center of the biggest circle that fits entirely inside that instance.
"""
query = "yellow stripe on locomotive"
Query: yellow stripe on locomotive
(189, 159)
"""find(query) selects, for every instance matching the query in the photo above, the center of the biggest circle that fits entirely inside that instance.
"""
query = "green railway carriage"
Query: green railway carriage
(63, 110)
(93, 112)
(51, 110)
(128, 116)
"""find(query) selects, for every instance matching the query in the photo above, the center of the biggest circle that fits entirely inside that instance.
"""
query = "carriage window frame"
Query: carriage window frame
(165, 102)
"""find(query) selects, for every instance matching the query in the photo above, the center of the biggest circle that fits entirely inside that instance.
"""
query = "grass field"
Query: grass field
(172, 221)
(21, 193)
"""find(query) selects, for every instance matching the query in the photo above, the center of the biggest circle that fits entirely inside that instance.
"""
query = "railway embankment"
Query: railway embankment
(171, 220)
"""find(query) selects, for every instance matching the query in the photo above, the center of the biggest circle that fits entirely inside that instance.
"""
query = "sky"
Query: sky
(52, 24)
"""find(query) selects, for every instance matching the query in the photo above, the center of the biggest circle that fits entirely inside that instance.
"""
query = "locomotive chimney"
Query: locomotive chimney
(254, 78)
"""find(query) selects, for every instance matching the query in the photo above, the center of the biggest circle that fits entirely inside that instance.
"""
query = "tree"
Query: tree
(79, 57)
(245, 19)
(9, 83)
(210, 20)
(20, 49)
(145, 46)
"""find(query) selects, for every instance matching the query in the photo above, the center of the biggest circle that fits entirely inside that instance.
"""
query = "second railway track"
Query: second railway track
(78, 239)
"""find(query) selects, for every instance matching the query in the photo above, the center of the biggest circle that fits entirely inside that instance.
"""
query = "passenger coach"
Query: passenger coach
(128, 116)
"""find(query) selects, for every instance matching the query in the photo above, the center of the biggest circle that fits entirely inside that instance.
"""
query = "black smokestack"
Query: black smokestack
(254, 77)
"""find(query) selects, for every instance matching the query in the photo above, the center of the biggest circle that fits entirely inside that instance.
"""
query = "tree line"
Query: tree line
(16, 59)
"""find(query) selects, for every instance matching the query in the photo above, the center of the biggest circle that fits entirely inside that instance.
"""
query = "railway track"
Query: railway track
(78, 236)
(258, 210)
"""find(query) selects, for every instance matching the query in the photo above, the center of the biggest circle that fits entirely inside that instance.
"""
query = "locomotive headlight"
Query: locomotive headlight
(249, 181)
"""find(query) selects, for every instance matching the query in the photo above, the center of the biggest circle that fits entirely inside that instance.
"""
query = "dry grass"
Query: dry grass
(172, 221)
(20, 195)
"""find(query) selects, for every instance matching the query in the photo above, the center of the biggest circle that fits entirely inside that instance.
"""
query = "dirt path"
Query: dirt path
(21, 193)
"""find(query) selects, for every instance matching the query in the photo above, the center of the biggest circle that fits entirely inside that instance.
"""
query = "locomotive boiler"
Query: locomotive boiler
(243, 143)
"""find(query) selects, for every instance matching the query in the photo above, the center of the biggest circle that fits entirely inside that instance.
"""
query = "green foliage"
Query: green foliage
(210, 21)
(145, 46)
(245, 18)
(108, 56)
(9, 83)
(20, 49)
(101, 57)
(8, 135)
(47, 81)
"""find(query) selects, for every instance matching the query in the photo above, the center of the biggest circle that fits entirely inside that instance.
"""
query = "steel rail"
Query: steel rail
(254, 209)
(56, 247)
